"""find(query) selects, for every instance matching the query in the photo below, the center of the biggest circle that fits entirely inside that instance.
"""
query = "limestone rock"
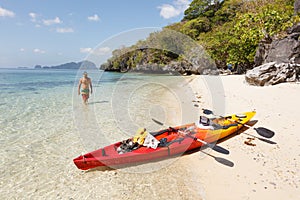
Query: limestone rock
(273, 73)
(285, 50)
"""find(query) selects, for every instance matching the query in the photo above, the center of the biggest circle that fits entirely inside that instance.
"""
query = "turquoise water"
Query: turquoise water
(44, 125)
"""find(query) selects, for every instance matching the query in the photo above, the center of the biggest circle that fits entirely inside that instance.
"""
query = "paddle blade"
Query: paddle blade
(218, 149)
(207, 112)
(224, 161)
(267, 141)
(158, 122)
(264, 132)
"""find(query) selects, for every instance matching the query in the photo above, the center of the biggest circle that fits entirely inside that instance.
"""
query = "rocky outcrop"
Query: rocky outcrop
(174, 67)
(285, 50)
(277, 60)
(273, 73)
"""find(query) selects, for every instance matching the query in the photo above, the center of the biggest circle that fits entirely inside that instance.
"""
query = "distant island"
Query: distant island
(71, 65)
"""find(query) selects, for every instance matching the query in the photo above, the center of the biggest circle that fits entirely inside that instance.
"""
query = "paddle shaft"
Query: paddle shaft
(202, 141)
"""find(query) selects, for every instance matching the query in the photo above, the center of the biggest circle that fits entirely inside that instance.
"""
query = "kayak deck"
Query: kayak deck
(178, 141)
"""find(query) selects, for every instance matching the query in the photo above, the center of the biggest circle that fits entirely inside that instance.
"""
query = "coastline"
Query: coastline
(261, 171)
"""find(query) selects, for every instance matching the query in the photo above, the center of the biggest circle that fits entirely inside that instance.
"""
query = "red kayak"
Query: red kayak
(173, 142)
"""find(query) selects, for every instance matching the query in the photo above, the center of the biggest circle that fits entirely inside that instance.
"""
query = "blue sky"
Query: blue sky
(51, 32)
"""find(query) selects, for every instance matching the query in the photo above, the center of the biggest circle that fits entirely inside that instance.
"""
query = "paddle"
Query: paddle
(260, 130)
(212, 146)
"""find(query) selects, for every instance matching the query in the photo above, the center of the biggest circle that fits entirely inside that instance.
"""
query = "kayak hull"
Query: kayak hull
(181, 143)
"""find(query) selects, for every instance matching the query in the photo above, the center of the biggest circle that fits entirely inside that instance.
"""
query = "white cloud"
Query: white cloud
(39, 51)
(98, 51)
(102, 51)
(6, 13)
(33, 16)
(86, 50)
(64, 30)
(94, 18)
(168, 11)
(22, 49)
(49, 22)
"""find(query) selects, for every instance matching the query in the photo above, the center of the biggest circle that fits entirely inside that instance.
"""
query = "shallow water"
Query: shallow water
(44, 125)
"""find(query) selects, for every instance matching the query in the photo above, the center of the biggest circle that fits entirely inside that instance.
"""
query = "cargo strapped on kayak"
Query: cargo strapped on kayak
(204, 120)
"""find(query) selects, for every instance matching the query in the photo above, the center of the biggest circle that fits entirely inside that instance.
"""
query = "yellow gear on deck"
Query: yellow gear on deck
(140, 136)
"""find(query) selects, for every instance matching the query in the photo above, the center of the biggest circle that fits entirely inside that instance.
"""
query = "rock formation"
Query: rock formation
(285, 50)
(277, 60)
(273, 73)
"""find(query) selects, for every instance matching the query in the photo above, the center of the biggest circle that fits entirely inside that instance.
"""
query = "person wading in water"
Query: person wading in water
(86, 84)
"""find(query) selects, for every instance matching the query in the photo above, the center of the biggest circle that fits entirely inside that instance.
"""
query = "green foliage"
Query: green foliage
(196, 26)
(236, 41)
(227, 12)
(252, 27)
(229, 30)
(156, 49)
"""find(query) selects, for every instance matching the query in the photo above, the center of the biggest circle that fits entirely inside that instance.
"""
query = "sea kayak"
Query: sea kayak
(174, 141)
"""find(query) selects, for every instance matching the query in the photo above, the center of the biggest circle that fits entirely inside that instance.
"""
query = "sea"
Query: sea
(44, 125)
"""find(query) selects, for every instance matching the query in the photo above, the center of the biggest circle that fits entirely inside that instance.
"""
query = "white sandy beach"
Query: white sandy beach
(264, 171)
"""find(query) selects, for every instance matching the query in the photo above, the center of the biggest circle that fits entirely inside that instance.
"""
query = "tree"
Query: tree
(196, 26)
(201, 8)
